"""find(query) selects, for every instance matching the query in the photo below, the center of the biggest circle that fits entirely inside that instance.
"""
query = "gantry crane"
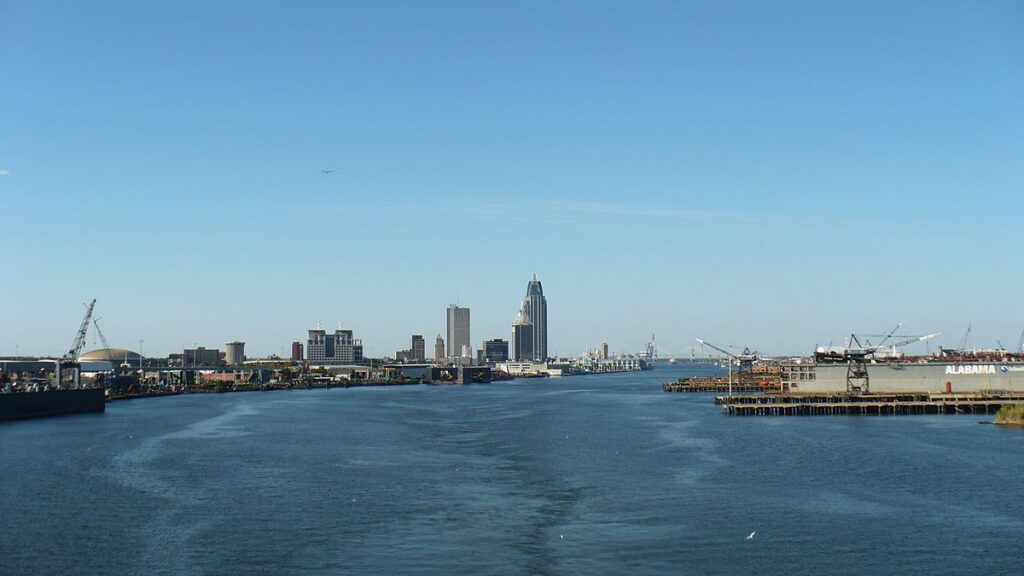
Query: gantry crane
(856, 356)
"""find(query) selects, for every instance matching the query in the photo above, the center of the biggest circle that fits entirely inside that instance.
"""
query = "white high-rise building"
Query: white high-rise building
(458, 330)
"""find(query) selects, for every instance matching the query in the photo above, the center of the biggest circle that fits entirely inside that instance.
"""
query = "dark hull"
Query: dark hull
(51, 403)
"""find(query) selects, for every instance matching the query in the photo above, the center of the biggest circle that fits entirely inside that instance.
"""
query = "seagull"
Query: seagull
(327, 171)
(751, 537)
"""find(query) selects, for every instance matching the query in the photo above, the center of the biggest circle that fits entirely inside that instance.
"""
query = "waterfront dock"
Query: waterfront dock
(867, 404)
(743, 382)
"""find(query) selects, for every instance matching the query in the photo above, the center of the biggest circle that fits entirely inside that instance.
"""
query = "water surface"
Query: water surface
(583, 475)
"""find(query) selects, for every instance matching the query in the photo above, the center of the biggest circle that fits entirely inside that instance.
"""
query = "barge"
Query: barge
(22, 405)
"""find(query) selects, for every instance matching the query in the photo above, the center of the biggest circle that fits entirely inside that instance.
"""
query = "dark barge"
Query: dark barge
(22, 405)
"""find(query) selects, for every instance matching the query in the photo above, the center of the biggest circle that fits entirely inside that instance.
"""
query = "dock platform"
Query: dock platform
(865, 404)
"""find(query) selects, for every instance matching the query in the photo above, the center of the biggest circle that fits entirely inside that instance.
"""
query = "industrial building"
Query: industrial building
(194, 357)
(234, 353)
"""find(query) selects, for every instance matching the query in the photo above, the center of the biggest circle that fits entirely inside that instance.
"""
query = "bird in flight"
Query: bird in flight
(751, 536)
(327, 171)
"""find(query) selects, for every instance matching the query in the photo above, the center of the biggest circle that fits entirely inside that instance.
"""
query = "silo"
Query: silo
(234, 353)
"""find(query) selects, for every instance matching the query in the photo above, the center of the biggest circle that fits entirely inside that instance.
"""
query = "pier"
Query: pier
(744, 382)
(866, 404)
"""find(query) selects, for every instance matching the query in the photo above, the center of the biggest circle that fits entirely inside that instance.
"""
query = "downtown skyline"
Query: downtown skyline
(641, 158)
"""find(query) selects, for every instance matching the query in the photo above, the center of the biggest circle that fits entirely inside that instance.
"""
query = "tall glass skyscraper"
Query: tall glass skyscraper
(535, 309)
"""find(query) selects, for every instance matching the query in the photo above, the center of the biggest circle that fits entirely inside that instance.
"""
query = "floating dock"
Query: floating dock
(866, 404)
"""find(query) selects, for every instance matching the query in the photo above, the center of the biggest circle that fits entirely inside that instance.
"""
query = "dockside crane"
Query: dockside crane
(856, 356)
(965, 340)
(745, 359)
(888, 334)
(70, 359)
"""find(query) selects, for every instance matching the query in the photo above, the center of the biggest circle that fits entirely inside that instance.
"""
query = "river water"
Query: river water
(584, 475)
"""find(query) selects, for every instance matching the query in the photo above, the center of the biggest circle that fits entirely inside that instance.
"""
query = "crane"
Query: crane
(857, 364)
(70, 359)
(745, 359)
(76, 346)
(965, 339)
(890, 333)
(103, 339)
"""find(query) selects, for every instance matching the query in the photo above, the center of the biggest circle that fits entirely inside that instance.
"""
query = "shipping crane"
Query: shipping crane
(745, 359)
(70, 359)
(886, 336)
(856, 356)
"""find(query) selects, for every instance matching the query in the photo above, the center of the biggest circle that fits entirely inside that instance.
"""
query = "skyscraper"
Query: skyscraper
(438, 349)
(535, 308)
(458, 330)
(522, 337)
(419, 352)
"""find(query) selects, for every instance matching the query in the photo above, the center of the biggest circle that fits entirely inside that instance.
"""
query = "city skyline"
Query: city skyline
(772, 176)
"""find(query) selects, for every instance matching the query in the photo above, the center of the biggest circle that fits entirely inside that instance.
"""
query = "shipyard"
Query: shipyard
(861, 378)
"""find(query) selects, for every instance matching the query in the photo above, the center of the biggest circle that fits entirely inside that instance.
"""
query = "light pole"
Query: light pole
(730, 376)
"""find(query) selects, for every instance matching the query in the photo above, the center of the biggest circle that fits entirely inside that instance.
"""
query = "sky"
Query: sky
(765, 174)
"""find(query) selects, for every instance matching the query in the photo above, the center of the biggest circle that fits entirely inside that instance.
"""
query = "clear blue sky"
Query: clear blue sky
(774, 174)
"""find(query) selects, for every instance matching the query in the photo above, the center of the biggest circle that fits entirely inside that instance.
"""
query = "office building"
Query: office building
(535, 307)
(419, 348)
(193, 357)
(495, 351)
(438, 349)
(522, 337)
(458, 330)
(337, 348)
(297, 351)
